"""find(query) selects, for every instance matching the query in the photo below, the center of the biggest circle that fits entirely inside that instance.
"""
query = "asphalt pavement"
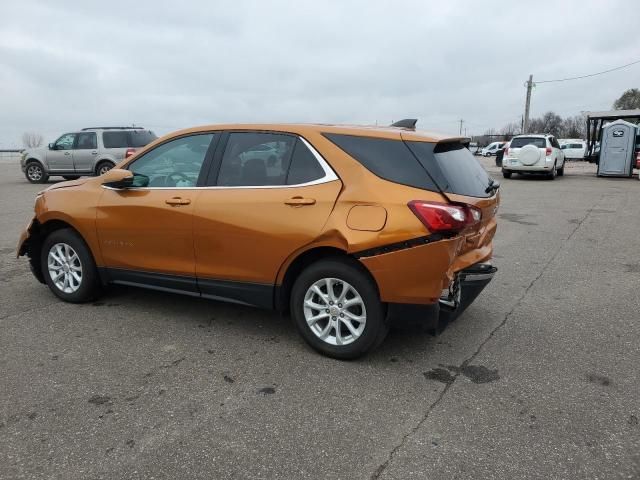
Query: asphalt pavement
(538, 379)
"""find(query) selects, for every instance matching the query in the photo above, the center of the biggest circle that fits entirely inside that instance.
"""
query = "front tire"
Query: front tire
(68, 267)
(506, 173)
(34, 171)
(337, 310)
(561, 171)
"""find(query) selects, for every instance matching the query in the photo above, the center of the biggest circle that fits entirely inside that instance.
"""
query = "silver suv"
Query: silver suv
(91, 151)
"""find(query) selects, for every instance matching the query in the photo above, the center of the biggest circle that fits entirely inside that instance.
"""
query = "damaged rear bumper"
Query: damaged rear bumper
(466, 286)
(464, 289)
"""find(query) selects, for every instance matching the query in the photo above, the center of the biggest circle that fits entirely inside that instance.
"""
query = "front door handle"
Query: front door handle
(67, 153)
(94, 153)
(300, 201)
(175, 201)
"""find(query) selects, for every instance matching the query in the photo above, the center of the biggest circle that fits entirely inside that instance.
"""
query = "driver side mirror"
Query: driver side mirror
(117, 178)
(51, 146)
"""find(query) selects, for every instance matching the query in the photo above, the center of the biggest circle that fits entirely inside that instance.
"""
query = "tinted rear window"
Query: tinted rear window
(140, 138)
(126, 139)
(453, 167)
(388, 159)
(520, 142)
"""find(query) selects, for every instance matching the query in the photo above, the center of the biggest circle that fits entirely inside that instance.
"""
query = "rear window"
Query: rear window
(520, 142)
(140, 138)
(388, 159)
(453, 167)
(127, 138)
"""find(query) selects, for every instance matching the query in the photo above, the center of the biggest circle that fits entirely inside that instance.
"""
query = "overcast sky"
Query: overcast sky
(166, 65)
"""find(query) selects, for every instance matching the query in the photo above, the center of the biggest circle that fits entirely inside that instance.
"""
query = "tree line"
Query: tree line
(551, 122)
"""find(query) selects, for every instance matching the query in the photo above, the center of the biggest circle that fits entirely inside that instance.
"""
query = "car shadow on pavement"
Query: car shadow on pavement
(241, 320)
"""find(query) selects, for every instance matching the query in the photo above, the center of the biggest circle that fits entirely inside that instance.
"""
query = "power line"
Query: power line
(590, 75)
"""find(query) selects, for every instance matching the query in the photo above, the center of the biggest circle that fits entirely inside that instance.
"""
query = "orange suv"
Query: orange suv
(347, 228)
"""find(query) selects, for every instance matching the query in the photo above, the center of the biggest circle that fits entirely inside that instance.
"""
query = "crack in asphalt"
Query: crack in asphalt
(383, 466)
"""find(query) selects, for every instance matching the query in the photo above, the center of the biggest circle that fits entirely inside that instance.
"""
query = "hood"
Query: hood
(67, 184)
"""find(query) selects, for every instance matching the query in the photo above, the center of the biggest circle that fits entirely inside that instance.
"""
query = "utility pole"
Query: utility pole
(529, 85)
(461, 122)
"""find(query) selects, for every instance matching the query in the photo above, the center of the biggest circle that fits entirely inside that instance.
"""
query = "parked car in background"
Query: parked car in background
(638, 152)
(356, 226)
(533, 154)
(90, 151)
(474, 148)
(492, 148)
(573, 149)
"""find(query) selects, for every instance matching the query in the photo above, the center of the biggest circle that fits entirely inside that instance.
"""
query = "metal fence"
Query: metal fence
(10, 156)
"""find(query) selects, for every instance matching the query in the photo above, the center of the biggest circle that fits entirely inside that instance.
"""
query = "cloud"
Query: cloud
(166, 65)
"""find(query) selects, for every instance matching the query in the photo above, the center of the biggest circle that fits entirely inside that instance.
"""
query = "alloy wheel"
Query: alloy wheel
(65, 268)
(335, 311)
(34, 172)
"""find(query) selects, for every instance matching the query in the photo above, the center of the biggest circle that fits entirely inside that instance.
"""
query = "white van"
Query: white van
(573, 149)
(492, 149)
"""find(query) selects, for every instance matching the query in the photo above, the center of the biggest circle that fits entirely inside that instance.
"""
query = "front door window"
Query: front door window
(174, 164)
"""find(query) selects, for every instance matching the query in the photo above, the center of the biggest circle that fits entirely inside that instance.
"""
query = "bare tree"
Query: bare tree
(32, 139)
(550, 122)
(574, 127)
(628, 100)
(509, 130)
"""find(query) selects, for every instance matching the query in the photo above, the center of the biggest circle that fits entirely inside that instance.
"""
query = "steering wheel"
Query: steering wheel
(175, 177)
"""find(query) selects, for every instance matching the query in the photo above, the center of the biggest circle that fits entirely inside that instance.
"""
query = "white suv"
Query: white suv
(533, 154)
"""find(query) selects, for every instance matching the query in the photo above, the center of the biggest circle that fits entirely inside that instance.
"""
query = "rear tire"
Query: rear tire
(68, 267)
(506, 173)
(104, 167)
(34, 172)
(554, 172)
(336, 308)
(561, 171)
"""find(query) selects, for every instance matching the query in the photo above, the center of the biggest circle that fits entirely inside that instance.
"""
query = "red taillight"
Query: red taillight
(445, 217)
(549, 150)
(129, 152)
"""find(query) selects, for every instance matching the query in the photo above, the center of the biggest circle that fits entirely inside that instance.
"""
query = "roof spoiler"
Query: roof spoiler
(409, 123)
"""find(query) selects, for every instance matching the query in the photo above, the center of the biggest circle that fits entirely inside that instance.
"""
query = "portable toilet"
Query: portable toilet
(617, 149)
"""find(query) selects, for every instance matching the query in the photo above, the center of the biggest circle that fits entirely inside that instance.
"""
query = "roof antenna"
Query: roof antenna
(409, 123)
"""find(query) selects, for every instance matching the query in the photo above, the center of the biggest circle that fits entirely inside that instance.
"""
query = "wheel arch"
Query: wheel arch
(37, 235)
(296, 266)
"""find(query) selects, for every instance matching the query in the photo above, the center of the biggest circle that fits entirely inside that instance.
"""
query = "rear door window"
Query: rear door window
(304, 166)
(86, 140)
(520, 142)
(256, 159)
(387, 158)
(453, 167)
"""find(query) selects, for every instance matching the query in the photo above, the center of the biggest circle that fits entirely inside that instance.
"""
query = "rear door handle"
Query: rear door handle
(177, 201)
(300, 201)
(67, 153)
(94, 153)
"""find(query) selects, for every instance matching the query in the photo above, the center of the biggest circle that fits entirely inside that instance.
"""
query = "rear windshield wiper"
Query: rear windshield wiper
(493, 186)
